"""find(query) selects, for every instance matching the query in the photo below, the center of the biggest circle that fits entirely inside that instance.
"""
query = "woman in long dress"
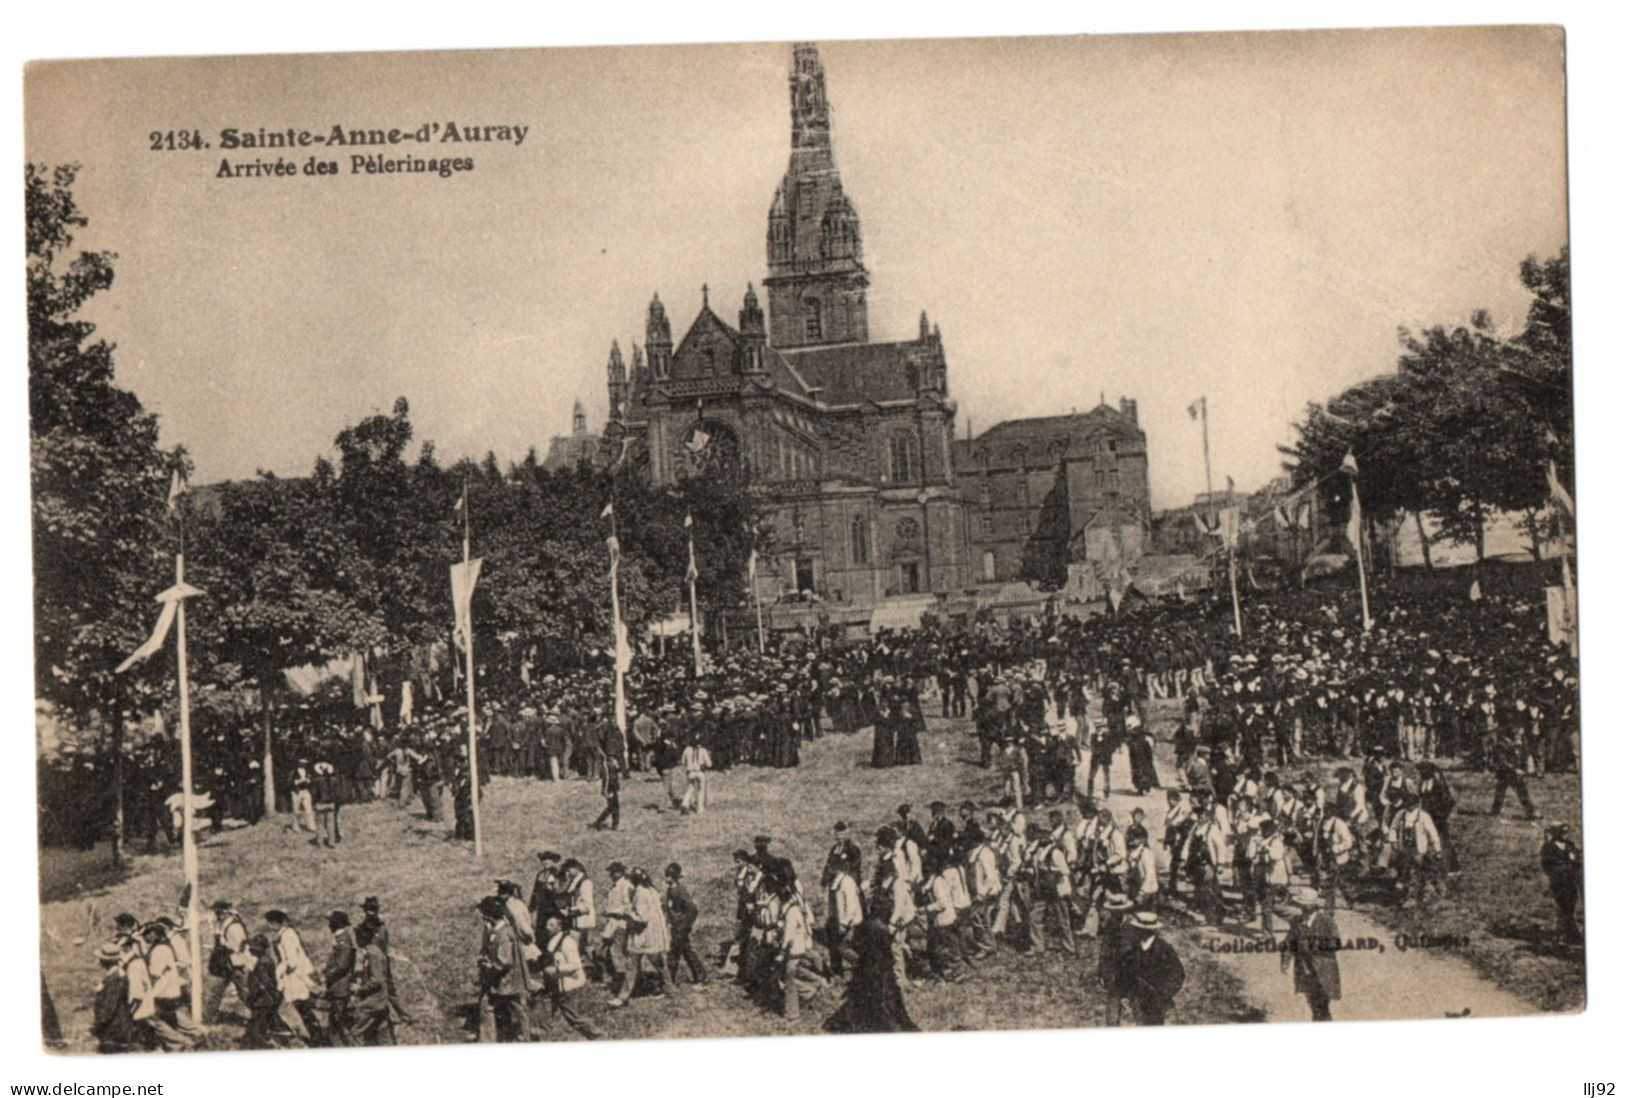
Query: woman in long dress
(885, 750)
(1142, 766)
(910, 723)
(874, 1000)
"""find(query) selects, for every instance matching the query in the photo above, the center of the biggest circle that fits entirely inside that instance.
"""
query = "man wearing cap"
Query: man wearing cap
(113, 1020)
(336, 977)
(372, 918)
(264, 998)
(1311, 951)
(502, 978)
(1150, 970)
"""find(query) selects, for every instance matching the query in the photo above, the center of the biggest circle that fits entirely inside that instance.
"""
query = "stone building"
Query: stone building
(580, 445)
(850, 440)
(1048, 491)
(870, 498)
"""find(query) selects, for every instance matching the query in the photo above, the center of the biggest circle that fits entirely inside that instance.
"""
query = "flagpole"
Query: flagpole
(473, 739)
(1359, 553)
(761, 634)
(693, 597)
(616, 628)
(188, 834)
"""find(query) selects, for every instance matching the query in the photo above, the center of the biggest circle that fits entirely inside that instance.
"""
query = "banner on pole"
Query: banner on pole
(464, 575)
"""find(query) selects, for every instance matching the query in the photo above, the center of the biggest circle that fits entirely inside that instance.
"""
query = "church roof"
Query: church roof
(851, 373)
(1042, 435)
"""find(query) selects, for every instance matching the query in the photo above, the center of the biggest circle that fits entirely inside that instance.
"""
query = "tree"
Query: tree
(98, 478)
(274, 565)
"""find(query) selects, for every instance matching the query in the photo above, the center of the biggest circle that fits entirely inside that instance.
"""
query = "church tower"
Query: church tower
(816, 280)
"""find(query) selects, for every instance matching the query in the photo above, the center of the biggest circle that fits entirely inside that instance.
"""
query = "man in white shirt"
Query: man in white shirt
(845, 913)
(169, 1023)
(795, 943)
(1142, 874)
(617, 923)
(1052, 897)
(564, 974)
(1419, 852)
(696, 770)
(942, 919)
(296, 976)
(985, 884)
(583, 908)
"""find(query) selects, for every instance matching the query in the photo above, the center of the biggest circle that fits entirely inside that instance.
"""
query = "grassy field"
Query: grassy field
(428, 885)
(1500, 900)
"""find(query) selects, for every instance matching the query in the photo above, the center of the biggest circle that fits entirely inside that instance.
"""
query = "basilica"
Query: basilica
(872, 499)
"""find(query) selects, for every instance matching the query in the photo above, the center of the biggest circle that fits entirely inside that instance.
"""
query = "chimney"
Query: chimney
(1130, 409)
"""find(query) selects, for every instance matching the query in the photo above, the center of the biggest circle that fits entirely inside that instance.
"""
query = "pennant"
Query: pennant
(177, 489)
(160, 633)
(464, 575)
(1280, 518)
(1116, 596)
(171, 600)
(608, 511)
(688, 521)
(461, 509)
(1474, 593)
(358, 680)
(1353, 529)
(1201, 524)
(1349, 466)
(752, 567)
(1301, 517)
(693, 572)
(1555, 486)
(406, 701)
(1230, 526)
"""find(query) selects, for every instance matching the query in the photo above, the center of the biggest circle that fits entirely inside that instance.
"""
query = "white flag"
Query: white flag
(1474, 593)
(1349, 466)
(177, 489)
(171, 600)
(608, 511)
(623, 649)
(160, 633)
(464, 575)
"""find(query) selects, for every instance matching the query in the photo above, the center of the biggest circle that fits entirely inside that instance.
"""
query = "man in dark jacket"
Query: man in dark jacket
(681, 915)
(336, 977)
(1311, 952)
(1150, 970)
(324, 791)
(1560, 861)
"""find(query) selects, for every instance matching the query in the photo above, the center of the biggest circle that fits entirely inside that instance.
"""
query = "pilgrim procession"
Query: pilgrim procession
(785, 702)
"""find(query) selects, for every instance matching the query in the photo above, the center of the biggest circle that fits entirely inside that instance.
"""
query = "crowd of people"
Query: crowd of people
(1306, 776)
(147, 971)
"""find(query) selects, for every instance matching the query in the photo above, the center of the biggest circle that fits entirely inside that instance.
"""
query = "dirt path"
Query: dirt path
(1381, 981)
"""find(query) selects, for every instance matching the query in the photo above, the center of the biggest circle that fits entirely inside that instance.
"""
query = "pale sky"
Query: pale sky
(1249, 216)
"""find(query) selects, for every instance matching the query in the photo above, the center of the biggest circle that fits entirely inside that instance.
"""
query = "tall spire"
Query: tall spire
(816, 279)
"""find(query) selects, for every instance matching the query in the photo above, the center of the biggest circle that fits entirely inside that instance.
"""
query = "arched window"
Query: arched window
(815, 319)
(860, 540)
(990, 567)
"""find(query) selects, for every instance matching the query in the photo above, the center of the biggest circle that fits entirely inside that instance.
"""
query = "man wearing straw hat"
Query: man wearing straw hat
(1150, 970)
(1311, 951)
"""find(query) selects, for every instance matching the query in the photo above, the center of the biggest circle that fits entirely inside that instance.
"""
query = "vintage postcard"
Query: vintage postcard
(863, 536)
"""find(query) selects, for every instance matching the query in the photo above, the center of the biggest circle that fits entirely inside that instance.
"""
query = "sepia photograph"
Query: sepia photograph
(803, 538)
